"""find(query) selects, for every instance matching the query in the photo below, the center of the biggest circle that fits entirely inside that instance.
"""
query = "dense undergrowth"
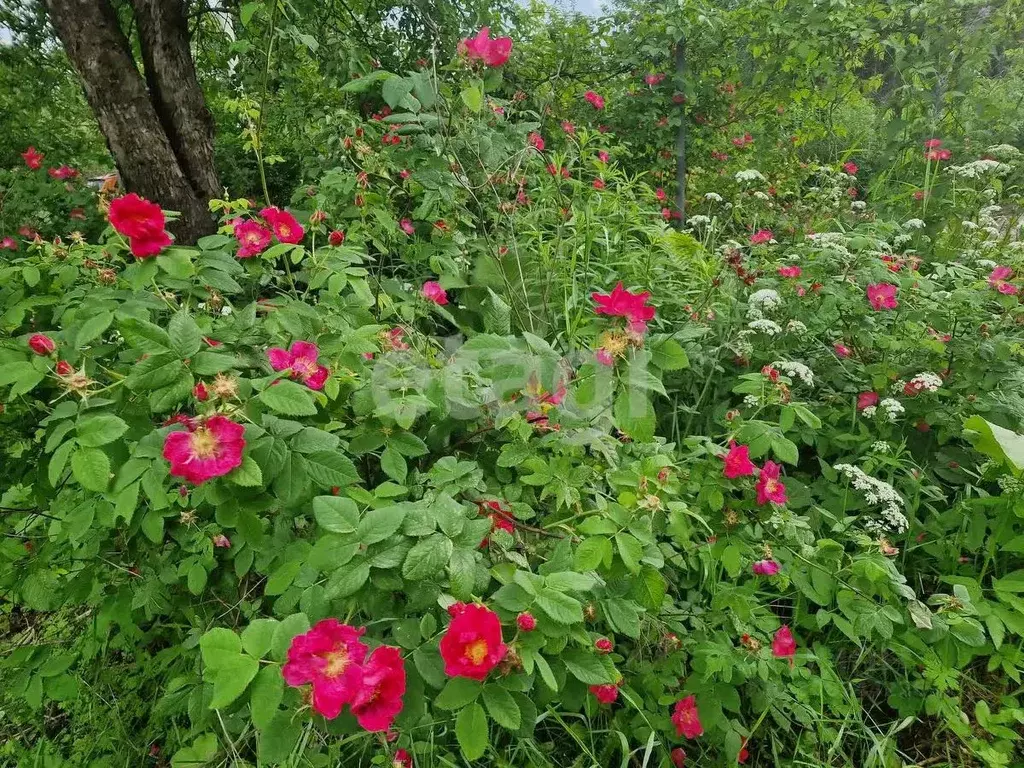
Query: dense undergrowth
(466, 454)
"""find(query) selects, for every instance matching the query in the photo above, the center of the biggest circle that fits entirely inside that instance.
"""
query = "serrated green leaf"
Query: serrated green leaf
(471, 731)
(289, 398)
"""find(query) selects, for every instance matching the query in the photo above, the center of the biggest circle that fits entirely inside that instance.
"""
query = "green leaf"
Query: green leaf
(649, 588)
(731, 561)
(462, 573)
(231, 677)
(457, 693)
(289, 398)
(471, 731)
(93, 327)
(336, 514)
(586, 667)
(427, 558)
(394, 90)
(669, 355)
(630, 550)
(265, 696)
(393, 464)
(186, 338)
(58, 461)
(196, 579)
(786, 450)
(208, 363)
(502, 707)
(282, 577)
(592, 552)
(289, 627)
(379, 524)
(995, 441)
(91, 469)
(100, 429)
(200, 753)
(622, 615)
(347, 580)
(154, 372)
(331, 469)
(560, 607)
(256, 637)
(473, 95)
(247, 474)
(634, 415)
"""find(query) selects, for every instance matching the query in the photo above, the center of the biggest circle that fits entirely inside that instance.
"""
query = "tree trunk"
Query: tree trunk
(681, 136)
(175, 92)
(118, 96)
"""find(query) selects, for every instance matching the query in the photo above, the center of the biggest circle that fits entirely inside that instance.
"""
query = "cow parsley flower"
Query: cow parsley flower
(858, 205)
(761, 196)
(913, 224)
(765, 326)
(762, 302)
(879, 446)
(713, 197)
(979, 168)
(795, 370)
(749, 175)
(892, 409)
(795, 326)
(881, 493)
(698, 220)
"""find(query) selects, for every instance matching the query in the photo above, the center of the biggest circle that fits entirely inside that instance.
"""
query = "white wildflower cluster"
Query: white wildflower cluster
(742, 346)
(751, 401)
(979, 168)
(765, 326)
(1010, 484)
(878, 492)
(762, 302)
(901, 240)
(913, 224)
(713, 197)
(986, 263)
(892, 409)
(761, 196)
(749, 175)
(795, 326)
(968, 225)
(795, 370)
(925, 382)
(698, 220)
(858, 205)
(1006, 152)
(879, 446)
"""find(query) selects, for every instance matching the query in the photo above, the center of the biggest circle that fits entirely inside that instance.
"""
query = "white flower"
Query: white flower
(979, 168)
(698, 220)
(869, 412)
(913, 224)
(926, 382)
(878, 492)
(892, 409)
(749, 175)
(751, 401)
(761, 302)
(713, 197)
(1004, 152)
(858, 205)
(761, 195)
(795, 326)
(879, 446)
(968, 225)
(226, 310)
(795, 370)
(901, 239)
(763, 325)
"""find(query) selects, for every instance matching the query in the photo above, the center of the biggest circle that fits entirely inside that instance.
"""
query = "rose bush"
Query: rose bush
(462, 458)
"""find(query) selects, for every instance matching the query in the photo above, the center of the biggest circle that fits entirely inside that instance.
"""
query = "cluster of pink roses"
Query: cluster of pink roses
(254, 238)
(769, 487)
(142, 222)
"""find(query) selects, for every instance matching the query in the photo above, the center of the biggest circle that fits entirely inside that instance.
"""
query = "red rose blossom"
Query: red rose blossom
(330, 656)
(686, 718)
(378, 700)
(41, 344)
(210, 448)
(472, 646)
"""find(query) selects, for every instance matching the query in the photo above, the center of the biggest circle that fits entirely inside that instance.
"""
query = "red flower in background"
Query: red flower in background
(471, 646)
(407, 227)
(769, 487)
(595, 99)
(64, 368)
(999, 279)
(433, 292)
(932, 143)
(851, 168)
(41, 344)
(783, 644)
(841, 349)
(286, 227)
(493, 53)
(402, 759)
(603, 645)
(622, 303)
(63, 173)
(8, 244)
(765, 568)
(654, 79)
(882, 296)
(210, 448)
(790, 271)
(678, 757)
(737, 461)
(761, 236)
(606, 693)
(336, 238)
(866, 400)
(329, 656)
(253, 238)
(142, 222)
(536, 141)
(378, 700)
(301, 361)
(32, 158)
(686, 718)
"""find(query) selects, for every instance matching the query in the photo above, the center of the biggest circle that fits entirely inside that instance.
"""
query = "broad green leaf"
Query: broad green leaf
(186, 338)
(630, 550)
(379, 524)
(426, 559)
(586, 667)
(471, 731)
(336, 514)
(331, 469)
(457, 693)
(560, 607)
(502, 707)
(91, 469)
(289, 398)
(265, 696)
(100, 429)
(93, 327)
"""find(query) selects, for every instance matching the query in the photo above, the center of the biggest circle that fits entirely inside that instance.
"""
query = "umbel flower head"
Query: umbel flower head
(210, 448)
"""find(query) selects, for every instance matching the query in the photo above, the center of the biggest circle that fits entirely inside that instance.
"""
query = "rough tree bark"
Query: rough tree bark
(161, 141)
(681, 137)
